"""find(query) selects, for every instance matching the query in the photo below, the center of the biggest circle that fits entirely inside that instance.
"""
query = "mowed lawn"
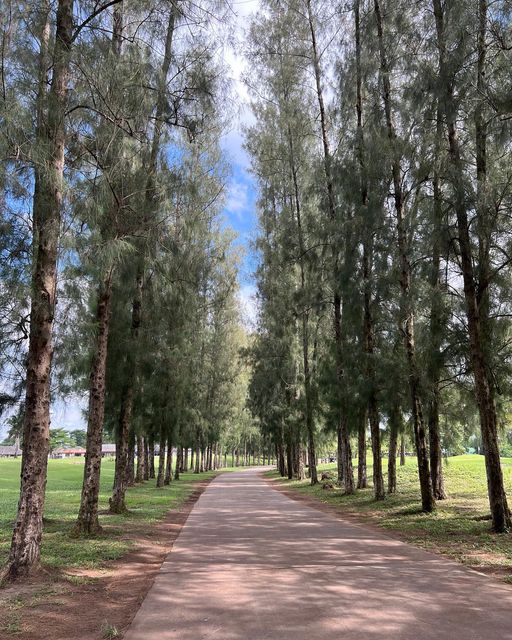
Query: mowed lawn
(459, 527)
(146, 505)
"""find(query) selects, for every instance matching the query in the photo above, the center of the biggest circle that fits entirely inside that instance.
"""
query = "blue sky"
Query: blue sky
(240, 209)
(240, 214)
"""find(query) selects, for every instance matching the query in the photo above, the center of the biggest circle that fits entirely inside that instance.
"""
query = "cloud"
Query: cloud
(232, 145)
(248, 306)
(238, 201)
(68, 413)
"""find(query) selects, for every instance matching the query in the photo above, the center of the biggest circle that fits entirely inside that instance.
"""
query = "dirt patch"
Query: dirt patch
(93, 604)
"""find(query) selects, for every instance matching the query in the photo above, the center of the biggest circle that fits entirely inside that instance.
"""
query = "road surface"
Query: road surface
(252, 564)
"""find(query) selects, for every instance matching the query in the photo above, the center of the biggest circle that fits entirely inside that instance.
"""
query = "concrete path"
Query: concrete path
(251, 564)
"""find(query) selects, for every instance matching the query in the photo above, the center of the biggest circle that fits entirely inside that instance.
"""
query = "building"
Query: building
(10, 451)
(108, 450)
(79, 452)
(68, 452)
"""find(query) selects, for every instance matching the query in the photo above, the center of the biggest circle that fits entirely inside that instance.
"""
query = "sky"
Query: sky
(239, 211)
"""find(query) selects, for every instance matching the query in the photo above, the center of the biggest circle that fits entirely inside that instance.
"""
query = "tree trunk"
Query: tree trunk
(87, 522)
(362, 476)
(121, 473)
(477, 314)
(289, 458)
(281, 460)
(179, 460)
(197, 461)
(151, 454)
(402, 450)
(141, 460)
(161, 458)
(395, 427)
(305, 319)
(301, 463)
(124, 467)
(130, 469)
(26, 540)
(436, 328)
(344, 448)
(168, 464)
(427, 495)
(145, 441)
(378, 479)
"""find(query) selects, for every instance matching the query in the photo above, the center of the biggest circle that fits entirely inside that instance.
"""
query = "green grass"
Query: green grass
(146, 505)
(457, 528)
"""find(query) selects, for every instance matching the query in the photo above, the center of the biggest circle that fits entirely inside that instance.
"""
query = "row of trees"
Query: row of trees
(381, 147)
(112, 184)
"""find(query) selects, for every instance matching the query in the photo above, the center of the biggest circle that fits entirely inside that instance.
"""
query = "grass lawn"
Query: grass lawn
(458, 527)
(146, 505)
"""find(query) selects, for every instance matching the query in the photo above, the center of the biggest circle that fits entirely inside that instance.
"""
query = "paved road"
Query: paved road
(251, 564)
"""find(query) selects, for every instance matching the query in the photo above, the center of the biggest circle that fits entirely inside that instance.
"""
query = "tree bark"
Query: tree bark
(47, 204)
(121, 473)
(304, 313)
(145, 441)
(87, 521)
(402, 450)
(130, 469)
(197, 461)
(362, 476)
(141, 460)
(395, 427)
(289, 456)
(168, 464)
(179, 462)
(151, 455)
(378, 479)
(160, 480)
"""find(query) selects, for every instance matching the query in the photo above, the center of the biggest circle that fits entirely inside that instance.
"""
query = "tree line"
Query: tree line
(381, 147)
(118, 273)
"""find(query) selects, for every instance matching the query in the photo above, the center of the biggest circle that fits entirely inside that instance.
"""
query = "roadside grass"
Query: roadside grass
(146, 505)
(459, 527)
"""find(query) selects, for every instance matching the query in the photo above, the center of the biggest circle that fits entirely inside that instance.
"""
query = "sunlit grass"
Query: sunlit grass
(146, 505)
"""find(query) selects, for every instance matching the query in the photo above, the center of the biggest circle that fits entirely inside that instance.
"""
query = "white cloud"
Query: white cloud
(67, 413)
(238, 199)
(248, 306)
(232, 145)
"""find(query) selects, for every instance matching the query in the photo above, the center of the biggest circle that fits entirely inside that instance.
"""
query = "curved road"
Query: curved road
(252, 564)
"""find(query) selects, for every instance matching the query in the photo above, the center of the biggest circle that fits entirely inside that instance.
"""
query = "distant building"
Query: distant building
(68, 452)
(79, 452)
(9, 451)
(108, 450)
